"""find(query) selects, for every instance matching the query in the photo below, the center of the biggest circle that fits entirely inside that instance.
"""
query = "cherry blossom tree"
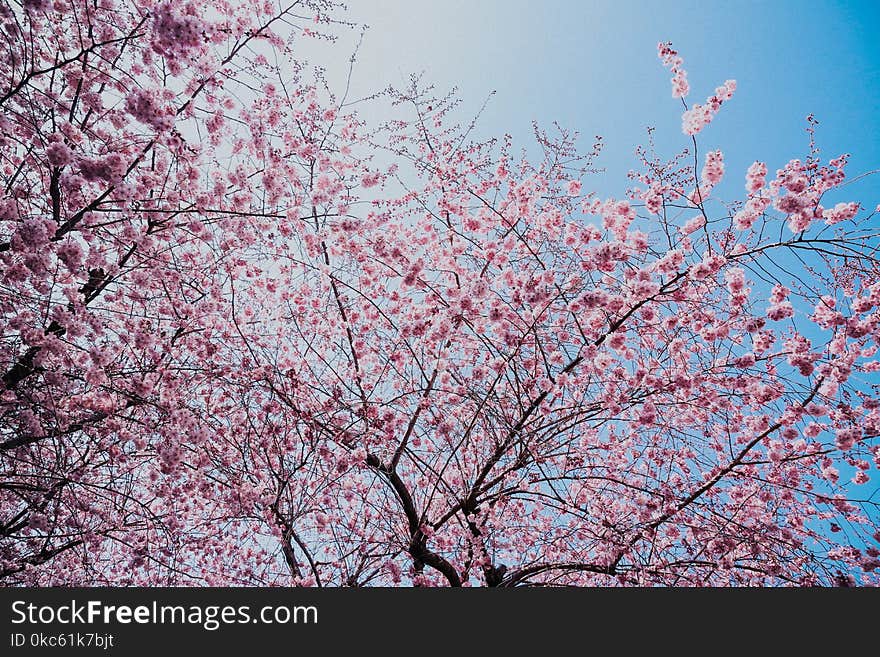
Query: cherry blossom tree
(250, 339)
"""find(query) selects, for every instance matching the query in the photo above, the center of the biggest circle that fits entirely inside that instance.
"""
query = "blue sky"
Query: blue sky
(592, 66)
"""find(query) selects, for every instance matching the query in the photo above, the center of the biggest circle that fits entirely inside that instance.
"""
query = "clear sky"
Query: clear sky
(592, 66)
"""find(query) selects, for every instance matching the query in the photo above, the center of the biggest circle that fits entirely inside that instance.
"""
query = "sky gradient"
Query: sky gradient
(592, 66)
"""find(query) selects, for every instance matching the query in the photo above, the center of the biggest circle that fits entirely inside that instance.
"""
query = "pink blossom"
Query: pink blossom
(846, 438)
(34, 232)
(109, 168)
(840, 212)
(8, 209)
(71, 254)
(753, 209)
(693, 225)
(779, 293)
(647, 414)
(36, 5)
(713, 169)
(735, 279)
(59, 154)
(175, 31)
(371, 179)
(177, 34)
(756, 177)
(780, 311)
(699, 116)
(653, 198)
(674, 63)
(826, 315)
(38, 522)
(799, 221)
(141, 105)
